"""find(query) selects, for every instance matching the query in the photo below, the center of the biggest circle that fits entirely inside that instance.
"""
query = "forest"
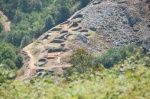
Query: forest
(31, 18)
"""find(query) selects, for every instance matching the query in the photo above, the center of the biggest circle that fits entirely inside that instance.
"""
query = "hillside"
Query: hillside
(75, 49)
(97, 27)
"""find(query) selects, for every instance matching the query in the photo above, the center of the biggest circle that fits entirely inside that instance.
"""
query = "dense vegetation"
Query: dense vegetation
(10, 61)
(31, 18)
(128, 79)
(83, 61)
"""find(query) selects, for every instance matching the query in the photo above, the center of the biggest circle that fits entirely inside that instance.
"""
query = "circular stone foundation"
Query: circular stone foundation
(41, 62)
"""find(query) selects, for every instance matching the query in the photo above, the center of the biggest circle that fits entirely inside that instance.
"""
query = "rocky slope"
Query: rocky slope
(103, 23)
(123, 21)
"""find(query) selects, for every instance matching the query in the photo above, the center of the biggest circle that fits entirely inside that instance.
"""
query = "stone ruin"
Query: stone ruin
(76, 29)
(53, 52)
(57, 41)
(41, 62)
(56, 29)
(46, 36)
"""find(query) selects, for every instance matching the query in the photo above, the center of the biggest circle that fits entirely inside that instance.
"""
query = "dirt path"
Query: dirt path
(4, 20)
(31, 65)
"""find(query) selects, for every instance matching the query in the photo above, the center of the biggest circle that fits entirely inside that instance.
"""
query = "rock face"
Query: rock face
(118, 19)
(105, 16)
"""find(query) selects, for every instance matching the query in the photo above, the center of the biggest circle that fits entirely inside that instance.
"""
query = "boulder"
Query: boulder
(82, 37)
(132, 21)
(136, 28)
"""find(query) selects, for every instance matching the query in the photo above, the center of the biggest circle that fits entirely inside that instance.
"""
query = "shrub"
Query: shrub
(80, 60)
(9, 64)
(114, 55)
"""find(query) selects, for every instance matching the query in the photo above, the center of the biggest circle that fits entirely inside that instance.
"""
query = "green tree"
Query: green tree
(9, 64)
(8, 53)
(84, 2)
(81, 60)
(16, 38)
(36, 5)
(1, 27)
(18, 16)
(114, 55)
(18, 61)
(65, 13)
(49, 23)
(25, 41)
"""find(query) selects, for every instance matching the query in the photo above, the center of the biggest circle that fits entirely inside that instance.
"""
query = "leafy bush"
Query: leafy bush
(114, 55)
(102, 85)
(80, 60)
(9, 61)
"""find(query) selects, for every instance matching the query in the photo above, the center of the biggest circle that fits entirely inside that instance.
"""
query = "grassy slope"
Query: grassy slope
(130, 81)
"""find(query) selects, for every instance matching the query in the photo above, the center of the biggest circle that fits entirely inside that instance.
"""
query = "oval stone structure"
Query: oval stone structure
(41, 62)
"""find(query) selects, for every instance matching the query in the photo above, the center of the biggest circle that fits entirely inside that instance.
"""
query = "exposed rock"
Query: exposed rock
(148, 25)
(96, 2)
(132, 21)
(148, 1)
(136, 28)
(118, 19)
(104, 16)
(122, 1)
(82, 37)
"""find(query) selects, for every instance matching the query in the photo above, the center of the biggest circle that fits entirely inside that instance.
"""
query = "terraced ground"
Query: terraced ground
(55, 46)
